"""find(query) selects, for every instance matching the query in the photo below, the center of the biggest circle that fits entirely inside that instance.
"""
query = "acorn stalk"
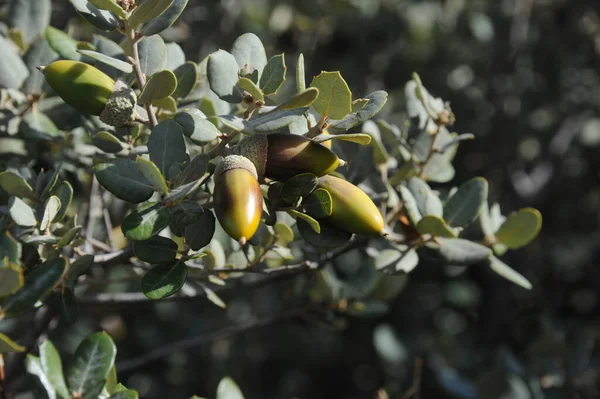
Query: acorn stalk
(352, 209)
(281, 156)
(90, 90)
(237, 197)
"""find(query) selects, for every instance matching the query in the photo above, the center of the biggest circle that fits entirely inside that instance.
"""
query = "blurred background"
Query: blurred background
(523, 77)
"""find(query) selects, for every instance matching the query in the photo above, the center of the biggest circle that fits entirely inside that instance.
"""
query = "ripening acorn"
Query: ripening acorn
(281, 156)
(237, 197)
(352, 209)
(90, 90)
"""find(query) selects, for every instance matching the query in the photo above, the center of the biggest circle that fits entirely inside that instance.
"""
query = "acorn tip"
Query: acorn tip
(41, 68)
(242, 241)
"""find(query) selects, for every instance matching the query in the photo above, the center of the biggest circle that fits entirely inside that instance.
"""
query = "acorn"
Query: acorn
(237, 197)
(352, 209)
(90, 90)
(327, 143)
(281, 156)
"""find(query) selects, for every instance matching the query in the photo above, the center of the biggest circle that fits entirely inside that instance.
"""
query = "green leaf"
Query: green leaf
(465, 205)
(196, 169)
(285, 234)
(505, 271)
(359, 104)
(147, 11)
(427, 201)
(37, 284)
(164, 280)
(397, 261)
(273, 75)
(160, 85)
(52, 366)
(34, 367)
(21, 213)
(146, 221)
(155, 250)
(38, 126)
(166, 19)
(39, 53)
(410, 205)
(9, 248)
(153, 54)
(228, 389)
(250, 54)
(377, 100)
(328, 237)
(128, 394)
(51, 210)
(107, 142)
(123, 179)
(45, 183)
(11, 279)
(200, 233)
(300, 74)
(213, 297)
(110, 5)
(167, 104)
(252, 88)
(101, 19)
(175, 56)
(196, 128)
(182, 214)
(7, 345)
(13, 70)
(62, 43)
(318, 204)
(520, 228)
(222, 73)
(68, 237)
(69, 308)
(358, 138)
(302, 99)
(187, 75)
(152, 174)
(79, 267)
(266, 122)
(31, 16)
(298, 186)
(457, 251)
(335, 98)
(15, 185)
(90, 366)
(167, 147)
(105, 59)
(434, 225)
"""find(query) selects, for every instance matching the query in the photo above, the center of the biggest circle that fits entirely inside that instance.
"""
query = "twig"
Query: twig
(91, 219)
(165, 350)
(2, 390)
(107, 223)
(432, 152)
(220, 148)
(135, 62)
(415, 390)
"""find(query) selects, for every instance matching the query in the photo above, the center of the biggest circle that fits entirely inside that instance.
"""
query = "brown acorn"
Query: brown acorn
(281, 156)
(237, 197)
(352, 209)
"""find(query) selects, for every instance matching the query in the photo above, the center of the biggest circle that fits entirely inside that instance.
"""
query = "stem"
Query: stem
(220, 148)
(135, 62)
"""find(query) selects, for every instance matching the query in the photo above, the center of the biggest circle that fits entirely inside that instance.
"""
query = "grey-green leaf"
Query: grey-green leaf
(465, 205)
(377, 100)
(200, 233)
(505, 271)
(222, 72)
(302, 99)
(52, 366)
(435, 226)
(520, 228)
(187, 75)
(21, 213)
(107, 142)
(101, 19)
(147, 11)
(397, 261)
(273, 75)
(105, 59)
(160, 85)
(164, 280)
(39, 53)
(37, 284)
(155, 250)
(11, 277)
(196, 128)
(51, 210)
(152, 174)
(122, 178)
(34, 367)
(228, 389)
(146, 221)
(15, 185)
(13, 70)
(318, 204)
(249, 53)
(300, 74)
(166, 19)
(153, 54)
(64, 192)
(427, 201)
(166, 146)
(457, 251)
(328, 238)
(90, 366)
(62, 43)
(110, 5)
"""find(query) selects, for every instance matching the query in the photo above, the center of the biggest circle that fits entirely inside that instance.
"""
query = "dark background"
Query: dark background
(522, 76)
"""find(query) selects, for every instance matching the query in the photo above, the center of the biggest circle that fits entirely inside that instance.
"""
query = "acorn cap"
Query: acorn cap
(235, 162)
(255, 148)
(120, 106)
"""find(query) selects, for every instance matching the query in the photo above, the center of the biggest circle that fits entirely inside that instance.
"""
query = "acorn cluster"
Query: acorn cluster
(279, 157)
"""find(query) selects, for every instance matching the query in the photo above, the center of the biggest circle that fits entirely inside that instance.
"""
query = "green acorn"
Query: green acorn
(352, 209)
(281, 156)
(237, 197)
(90, 90)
